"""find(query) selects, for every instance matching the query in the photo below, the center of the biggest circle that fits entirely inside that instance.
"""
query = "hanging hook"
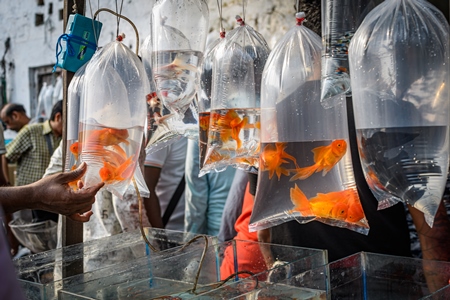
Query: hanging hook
(126, 19)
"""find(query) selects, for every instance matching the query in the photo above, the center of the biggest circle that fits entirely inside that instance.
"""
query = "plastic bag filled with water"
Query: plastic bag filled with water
(233, 138)
(74, 94)
(399, 62)
(305, 170)
(340, 19)
(179, 30)
(159, 131)
(204, 96)
(111, 122)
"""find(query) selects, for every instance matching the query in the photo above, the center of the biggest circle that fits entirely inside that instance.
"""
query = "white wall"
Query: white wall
(34, 46)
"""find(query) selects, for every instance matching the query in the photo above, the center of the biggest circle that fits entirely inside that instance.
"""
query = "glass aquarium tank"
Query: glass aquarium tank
(190, 272)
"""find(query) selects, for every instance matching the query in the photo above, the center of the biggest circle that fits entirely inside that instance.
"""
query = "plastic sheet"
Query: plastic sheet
(306, 169)
(113, 117)
(400, 78)
(341, 19)
(234, 130)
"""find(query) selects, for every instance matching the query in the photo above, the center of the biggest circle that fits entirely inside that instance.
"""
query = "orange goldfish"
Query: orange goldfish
(174, 69)
(204, 121)
(272, 158)
(325, 158)
(230, 126)
(108, 136)
(109, 172)
(343, 205)
(74, 149)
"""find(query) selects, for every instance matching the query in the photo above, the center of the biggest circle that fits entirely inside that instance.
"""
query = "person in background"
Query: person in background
(52, 193)
(164, 175)
(32, 148)
(205, 196)
(14, 116)
(233, 206)
(4, 181)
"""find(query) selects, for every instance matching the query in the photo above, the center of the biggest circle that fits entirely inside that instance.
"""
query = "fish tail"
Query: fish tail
(303, 173)
(301, 203)
(236, 130)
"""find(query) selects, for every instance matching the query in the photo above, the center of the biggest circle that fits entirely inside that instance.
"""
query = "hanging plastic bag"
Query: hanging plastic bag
(233, 138)
(179, 30)
(204, 96)
(306, 169)
(74, 94)
(340, 21)
(113, 117)
(400, 78)
(159, 131)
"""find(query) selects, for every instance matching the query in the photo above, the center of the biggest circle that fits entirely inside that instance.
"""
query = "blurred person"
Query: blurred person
(32, 148)
(14, 116)
(164, 174)
(205, 196)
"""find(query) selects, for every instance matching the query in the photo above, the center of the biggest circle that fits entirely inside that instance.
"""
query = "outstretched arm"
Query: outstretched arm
(53, 194)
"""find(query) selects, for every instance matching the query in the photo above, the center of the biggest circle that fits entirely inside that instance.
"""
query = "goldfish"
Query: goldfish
(325, 158)
(108, 136)
(174, 69)
(230, 126)
(272, 157)
(204, 121)
(109, 172)
(74, 149)
(343, 205)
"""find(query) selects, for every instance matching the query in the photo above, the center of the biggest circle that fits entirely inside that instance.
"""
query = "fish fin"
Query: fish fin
(301, 203)
(303, 173)
(281, 170)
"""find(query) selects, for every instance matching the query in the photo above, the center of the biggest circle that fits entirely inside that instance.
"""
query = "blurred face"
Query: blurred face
(57, 125)
(13, 122)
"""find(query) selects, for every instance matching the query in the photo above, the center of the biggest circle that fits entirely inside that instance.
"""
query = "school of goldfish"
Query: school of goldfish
(339, 205)
(229, 126)
(116, 165)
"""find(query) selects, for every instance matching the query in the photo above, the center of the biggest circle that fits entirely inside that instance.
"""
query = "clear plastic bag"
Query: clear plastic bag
(112, 118)
(74, 94)
(340, 20)
(234, 129)
(179, 30)
(159, 132)
(204, 98)
(399, 60)
(306, 168)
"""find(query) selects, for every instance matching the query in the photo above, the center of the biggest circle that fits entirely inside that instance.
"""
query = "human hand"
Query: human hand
(54, 194)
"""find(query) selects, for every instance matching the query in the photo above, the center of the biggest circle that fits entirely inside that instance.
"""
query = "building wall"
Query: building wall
(32, 47)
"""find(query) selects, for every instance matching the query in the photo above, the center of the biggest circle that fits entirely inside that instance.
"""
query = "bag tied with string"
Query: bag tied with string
(306, 171)
(233, 138)
(399, 60)
(113, 117)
